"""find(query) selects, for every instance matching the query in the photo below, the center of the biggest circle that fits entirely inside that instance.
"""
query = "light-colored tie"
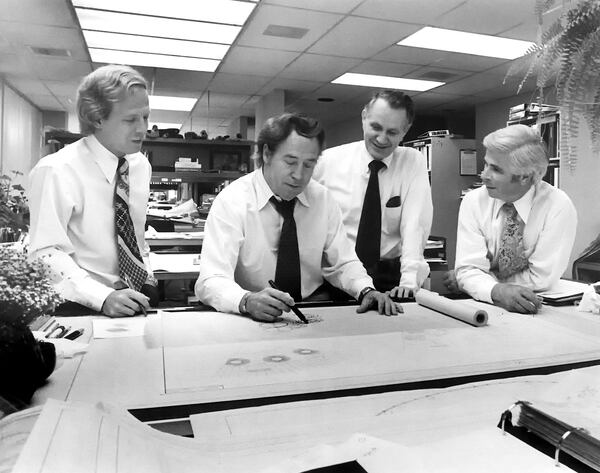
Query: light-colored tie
(511, 258)
(132, 269)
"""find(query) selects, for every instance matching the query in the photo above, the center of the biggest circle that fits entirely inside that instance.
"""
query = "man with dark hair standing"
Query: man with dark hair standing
(277, 223)
(88, 201)
(384, 193)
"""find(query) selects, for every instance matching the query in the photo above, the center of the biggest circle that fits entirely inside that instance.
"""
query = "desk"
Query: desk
(168, 266)
(136, 372)
(175, 239)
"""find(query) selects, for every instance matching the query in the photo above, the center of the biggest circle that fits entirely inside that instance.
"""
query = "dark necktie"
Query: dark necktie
(368, 238)
(510, 248)
(287, 271)
(132, 269)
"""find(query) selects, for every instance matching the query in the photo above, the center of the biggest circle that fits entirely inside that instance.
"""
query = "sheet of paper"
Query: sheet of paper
(175, 263)
(564, 288)
(118, 328)
(82, 437)
(416, 346)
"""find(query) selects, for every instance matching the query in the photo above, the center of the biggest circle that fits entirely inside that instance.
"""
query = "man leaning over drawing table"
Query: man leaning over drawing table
(88, 200)
(276, 223)
(516, 232)
(383, 191)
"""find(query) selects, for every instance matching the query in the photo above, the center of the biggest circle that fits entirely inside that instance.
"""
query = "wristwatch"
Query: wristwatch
(242, 305)
(363, 293)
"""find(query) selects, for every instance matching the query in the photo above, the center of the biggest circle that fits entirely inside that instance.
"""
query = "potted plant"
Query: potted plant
(25, 294)
(567, 55)
(14, 211)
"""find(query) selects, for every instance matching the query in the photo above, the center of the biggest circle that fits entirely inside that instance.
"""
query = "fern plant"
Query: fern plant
(567, 54)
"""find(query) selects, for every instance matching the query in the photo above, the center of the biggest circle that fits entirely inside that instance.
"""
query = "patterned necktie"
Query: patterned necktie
(368, 238)
(132, 270)
(287, 271)
(510, 249)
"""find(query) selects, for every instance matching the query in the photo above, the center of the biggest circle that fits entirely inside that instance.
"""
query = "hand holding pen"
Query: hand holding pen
(125, 302)
(266, 305)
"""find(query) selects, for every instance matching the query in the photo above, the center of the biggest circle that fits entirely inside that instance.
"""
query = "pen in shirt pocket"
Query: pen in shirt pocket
(127, 281)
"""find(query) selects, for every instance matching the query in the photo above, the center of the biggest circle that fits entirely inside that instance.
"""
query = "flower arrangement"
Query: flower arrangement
(25, 288)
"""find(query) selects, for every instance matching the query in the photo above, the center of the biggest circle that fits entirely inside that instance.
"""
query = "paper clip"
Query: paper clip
(559, 445)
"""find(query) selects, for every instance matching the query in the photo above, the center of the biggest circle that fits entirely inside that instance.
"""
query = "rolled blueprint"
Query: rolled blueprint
(454, 308)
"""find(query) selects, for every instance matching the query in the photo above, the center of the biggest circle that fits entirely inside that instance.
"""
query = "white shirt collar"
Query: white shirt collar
(367, 158)
(107, 161)
(523, 205)
(264, 192)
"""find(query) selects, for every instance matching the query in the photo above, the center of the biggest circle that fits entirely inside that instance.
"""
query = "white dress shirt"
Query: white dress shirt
(239, 251)
(550, 224)
(71, 194)
(344, 170)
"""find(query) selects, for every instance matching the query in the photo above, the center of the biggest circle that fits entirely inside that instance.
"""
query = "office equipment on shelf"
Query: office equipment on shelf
(431, 133)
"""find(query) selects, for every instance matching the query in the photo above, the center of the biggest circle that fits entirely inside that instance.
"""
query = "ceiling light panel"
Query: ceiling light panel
(110, 56)
(163, 102)
(215, 11)
(146, 44)
(386, 82)
(160, 27)
(467, 43)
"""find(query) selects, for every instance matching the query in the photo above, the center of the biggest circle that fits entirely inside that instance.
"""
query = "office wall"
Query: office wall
(21, 132)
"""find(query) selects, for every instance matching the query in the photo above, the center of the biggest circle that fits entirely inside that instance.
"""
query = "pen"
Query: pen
(295, 309)
(63, 332)
(51, 332)
(74, 334)
(129, 285)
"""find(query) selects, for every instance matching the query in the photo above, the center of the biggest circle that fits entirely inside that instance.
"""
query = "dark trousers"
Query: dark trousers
(385, 274)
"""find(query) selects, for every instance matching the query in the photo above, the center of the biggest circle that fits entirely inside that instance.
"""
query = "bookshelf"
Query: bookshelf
(443, 155)
(548, 123)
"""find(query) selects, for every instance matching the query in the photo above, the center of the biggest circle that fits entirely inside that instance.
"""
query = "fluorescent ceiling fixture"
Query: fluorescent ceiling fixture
(386, 82)
(215, 11)
(468, 43)
(163, 125)
(153, 60)
(162, 102)
(145, 44)
(163, 27)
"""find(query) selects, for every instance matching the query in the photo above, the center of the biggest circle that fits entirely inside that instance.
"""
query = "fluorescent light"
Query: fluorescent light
(109, 56)
(163, 125)
(174, 47)
(162, 27)
(216, 11)
(163, 102)
(386, 82)
(468, 43)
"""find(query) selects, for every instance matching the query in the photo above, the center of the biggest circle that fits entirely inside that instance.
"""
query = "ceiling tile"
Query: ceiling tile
(409, 55)
(471, 85)
(339, 92)
(64, 88)
(237, 83)
(368, 37)
(46, 37)
(317, 24)
(222, 100)
(335, 6)
(298, 86)
(181, 80)
(255, 61)
(408, 11)
(487, 16)
(318, 67)
(45, 102)
(61, 69)
(14, 64)
(36, 12)
(28, 86)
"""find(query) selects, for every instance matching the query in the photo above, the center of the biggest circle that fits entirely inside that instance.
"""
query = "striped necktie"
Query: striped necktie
(287, 271)
(132, 269)
(510, 249)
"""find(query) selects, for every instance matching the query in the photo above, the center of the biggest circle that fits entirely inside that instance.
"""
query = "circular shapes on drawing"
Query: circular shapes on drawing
(275, 358)
(305, 351)
(237, 361)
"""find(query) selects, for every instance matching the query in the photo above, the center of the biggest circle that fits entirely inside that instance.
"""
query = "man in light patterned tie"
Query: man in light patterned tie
(88, 201)
(516, 232)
